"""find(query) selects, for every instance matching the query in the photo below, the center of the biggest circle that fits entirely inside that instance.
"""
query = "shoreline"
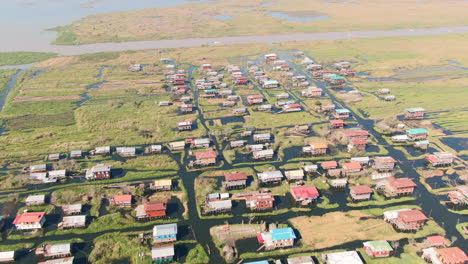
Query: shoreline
(221, 41)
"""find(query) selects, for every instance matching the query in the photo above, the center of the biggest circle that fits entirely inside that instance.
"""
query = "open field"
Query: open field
(340, 227)
(17, 58)
(240, 18)
(424, 68)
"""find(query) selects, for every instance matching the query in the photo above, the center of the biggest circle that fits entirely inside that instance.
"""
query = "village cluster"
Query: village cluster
(205, 154)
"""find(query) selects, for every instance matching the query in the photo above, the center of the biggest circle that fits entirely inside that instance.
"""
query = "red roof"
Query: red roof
(206, 155)
(261, 197)
(126, 198)
(253, 96)
(336, 122)
(401, 182)
(361, 189)
(453, 255)
(294, 105)
(358, 141)
(355, 133)
(260, 238)
(155, 206)
(352, 165)
(235, 176)
(432, 158)
(412, 216)
(329, 164)
(305, 191)
(436, 240)
(31, 217)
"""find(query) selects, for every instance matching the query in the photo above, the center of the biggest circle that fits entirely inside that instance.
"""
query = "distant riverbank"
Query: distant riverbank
(193, 42)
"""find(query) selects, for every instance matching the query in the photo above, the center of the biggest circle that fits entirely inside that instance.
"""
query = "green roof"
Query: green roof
(415, 131)
(337, 77)
(378, 245)
(271, 82)
(422, 142)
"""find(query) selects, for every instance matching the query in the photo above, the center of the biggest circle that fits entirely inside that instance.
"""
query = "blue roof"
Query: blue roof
(282, 234)
(415, 131)
(271, 82)
(342, 111)
(258, 262)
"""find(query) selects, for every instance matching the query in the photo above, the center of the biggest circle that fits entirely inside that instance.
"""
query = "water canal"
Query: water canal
(197, 228)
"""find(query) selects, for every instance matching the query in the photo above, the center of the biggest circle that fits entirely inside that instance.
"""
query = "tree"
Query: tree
(197, 255)
(318, 103)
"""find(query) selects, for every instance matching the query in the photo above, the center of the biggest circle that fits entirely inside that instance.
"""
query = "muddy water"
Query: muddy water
(24, 23)
(44, 46)
(199, 228)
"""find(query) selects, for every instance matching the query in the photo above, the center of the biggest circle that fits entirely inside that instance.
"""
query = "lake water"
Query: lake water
(23, 23)
(291, 17)
(221, 17)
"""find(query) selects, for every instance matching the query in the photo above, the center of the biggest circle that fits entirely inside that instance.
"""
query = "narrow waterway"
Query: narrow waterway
(200, 227)
(196, 42)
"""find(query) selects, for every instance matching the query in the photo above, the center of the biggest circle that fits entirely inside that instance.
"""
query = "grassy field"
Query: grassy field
(125, 249)
(421, 64)
(196, 19)
(318, 231)
(17, 58)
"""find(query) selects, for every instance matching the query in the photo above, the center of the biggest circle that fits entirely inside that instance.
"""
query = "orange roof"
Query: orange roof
(126, 198)
(206, 155)
(401, 182)
(329, 164)
(31, 217)
(453, 255)
(352, 165)
(155, 206)
(361, 189)
(319, 145)
(436, 240)
(412, 216)
(354, 133)
(358, 141)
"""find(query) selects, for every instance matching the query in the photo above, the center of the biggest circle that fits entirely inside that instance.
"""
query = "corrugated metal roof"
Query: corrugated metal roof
(59, 248)
(164, 251)
(415, 131)
(346, 257)
(7, 255)
(167, 229)
(282, 234)
(378, 245)
(270, 174)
